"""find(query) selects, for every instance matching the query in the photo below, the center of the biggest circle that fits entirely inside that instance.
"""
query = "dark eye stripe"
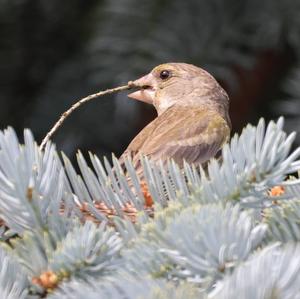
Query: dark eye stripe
(165, 74)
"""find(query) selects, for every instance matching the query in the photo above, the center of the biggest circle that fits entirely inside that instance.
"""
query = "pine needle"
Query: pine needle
(77, 105)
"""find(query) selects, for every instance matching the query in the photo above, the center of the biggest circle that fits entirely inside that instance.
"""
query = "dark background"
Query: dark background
(55, 52)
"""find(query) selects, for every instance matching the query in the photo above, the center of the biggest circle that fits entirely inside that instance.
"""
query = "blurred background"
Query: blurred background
(55, 52)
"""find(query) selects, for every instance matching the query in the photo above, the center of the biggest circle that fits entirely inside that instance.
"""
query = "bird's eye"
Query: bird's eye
(164, 74)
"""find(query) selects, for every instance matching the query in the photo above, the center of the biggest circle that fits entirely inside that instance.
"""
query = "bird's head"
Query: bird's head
(176, 84)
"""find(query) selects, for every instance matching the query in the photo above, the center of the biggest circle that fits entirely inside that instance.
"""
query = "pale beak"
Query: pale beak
(147, 85)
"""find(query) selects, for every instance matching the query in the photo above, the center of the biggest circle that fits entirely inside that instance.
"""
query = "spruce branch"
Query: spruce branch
(283, 221)
(32, 183)
(98, 257)
(127, 287)
(272, 272)
(106, 191)
(13, 280)
(201, 243)
(203, 230)
(257, 160)
(82, 251)
(68, 112)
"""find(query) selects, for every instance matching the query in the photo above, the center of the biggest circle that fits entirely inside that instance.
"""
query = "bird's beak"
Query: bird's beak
(147, 88)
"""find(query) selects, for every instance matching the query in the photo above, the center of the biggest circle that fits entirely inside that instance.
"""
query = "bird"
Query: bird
(192, 122)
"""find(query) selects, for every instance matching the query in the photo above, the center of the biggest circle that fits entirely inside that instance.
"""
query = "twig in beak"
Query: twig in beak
(79, 103)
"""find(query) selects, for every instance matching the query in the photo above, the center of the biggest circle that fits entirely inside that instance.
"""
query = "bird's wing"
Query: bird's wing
(193, 135)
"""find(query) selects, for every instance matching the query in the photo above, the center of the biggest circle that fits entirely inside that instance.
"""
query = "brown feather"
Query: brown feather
(180, 133)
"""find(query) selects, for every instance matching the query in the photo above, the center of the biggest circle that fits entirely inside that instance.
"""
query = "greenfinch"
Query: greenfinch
(193, 120)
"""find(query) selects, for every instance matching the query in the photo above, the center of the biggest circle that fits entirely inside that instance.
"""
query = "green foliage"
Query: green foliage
(214, 232)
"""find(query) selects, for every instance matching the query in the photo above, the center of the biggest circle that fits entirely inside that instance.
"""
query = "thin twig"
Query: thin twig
(79, 103)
